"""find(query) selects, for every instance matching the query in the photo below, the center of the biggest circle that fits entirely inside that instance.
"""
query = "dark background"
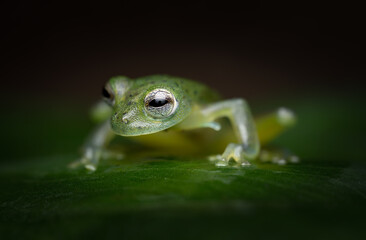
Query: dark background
(66, 51)
(307, 56)
(57, 56)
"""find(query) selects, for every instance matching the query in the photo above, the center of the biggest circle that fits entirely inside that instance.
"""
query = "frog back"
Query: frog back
(191, 92)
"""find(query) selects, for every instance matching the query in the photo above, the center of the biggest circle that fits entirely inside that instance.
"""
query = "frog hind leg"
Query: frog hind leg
(269, 127)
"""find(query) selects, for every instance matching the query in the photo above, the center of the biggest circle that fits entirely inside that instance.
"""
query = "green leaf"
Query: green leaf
(324, 196)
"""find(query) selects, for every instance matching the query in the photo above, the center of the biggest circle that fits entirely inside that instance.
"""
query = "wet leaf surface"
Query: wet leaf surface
(324, 196)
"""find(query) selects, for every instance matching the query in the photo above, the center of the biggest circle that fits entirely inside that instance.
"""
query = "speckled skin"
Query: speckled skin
(195, 107)
(129, 100)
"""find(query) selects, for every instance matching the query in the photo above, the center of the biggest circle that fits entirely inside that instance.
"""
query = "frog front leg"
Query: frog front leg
(94, 146)
(238, 112)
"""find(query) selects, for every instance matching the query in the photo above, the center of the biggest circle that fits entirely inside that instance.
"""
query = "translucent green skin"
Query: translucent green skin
(197, 106)
(129, 103)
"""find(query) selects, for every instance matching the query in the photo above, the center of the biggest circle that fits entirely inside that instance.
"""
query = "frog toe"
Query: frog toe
(83, 162)
(89, 160)
(233, 152)
(280, 157)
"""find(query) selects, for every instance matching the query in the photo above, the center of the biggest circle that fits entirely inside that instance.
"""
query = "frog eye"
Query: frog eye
(160, 103)
(108, 94)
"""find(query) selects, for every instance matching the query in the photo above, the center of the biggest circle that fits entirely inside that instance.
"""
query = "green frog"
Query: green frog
(179, 116)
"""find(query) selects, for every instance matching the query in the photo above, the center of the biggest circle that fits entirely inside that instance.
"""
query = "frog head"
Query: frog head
(146, 105)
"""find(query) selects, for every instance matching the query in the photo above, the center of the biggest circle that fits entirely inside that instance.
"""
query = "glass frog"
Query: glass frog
(168, 113)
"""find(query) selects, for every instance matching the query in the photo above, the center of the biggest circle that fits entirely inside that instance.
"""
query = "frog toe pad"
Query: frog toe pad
(279, 157)
(233, 152)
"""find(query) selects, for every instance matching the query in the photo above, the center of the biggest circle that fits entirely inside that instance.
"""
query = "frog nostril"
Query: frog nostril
(126, 117)
(125, 120)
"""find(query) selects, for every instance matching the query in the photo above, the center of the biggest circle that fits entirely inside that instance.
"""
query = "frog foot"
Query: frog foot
(89, 160)
(92, 156)
(280, 157)
(232, 152)
(83, 162)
